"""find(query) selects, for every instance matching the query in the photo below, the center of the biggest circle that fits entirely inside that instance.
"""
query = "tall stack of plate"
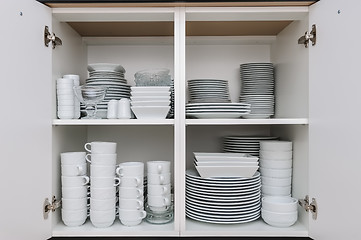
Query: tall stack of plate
(112, 76)
(258, 89)
(208, 90)
(225, 200)
(244, 144)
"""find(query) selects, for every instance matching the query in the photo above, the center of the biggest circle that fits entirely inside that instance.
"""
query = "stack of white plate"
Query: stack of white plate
(112, 76)
(225, 164)
(244, 144)
(150, 102)
(224, 200)
(258, 89)
(217, 110)
(208, 90)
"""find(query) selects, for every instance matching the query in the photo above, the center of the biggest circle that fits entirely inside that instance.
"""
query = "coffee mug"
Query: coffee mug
(158, 167)
(74, 192)
(102, 170)
(102, 204)
(74, 218)
(136, 181)
(74, 170)
(130, 204)
(131, 217)
(130, 192)
(162, 179)
(102, 219)
(101, 147)
(102, 193)
(68, 158)
(101, 159)
(129, 169)
(74, 203)
(155, 189)
(74, 181)
(103, 182)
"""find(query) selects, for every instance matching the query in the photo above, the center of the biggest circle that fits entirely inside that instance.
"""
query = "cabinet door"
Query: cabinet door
(25, 129)
(335, 113)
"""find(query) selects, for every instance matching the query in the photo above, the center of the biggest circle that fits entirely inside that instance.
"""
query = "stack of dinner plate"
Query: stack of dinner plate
(258, 89)
(217, 110)
(208, 90)
(111, 76)
(223, 200)
(244, 144)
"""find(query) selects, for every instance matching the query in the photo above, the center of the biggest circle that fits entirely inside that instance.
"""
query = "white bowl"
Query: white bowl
(275, 145)
(215, 156)
(275, 155)
(150, 103)
(277, 182)
(275, 191)
(105, 67)
(150, 94)
(279, 204)
(276, 173)
(279, 164)
(151, 98)
(150, 112)
(151, 89)
(279, 219)
(225, 163)
(226, 171)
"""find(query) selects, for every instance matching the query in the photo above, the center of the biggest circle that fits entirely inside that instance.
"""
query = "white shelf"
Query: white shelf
(111, 122)
(117, 229)
(256, 228)
(270, 121)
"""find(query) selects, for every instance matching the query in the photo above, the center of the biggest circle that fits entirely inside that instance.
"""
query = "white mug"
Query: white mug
(102, 219)
(102, 204)
(155, 189)
(74, 170)
(102, 170)
(74, 192)
(129, 169)
(162, 179)
(131, 217)
(102, 182)
(74, 203)
(64, 81)
(68, 158)
(102, 193)
(158, 167)
(101, 158)
(74, 218)
(74, 181)
(101, 147)
(159, 203)
(130, 192)
(136, 181)
(130, 204)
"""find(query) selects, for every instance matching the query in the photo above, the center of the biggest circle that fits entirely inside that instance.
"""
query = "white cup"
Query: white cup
(64, 81)
(66, 102)
(74, 181)
(66, 91)
(159, 201)
(128, 169)
(74, 169)
(64, 86)
(103, 182)
(66, 114)
(136, 181)
(66, 97)
(74, 77)
(68, 158)
(130, 192)
(158, 167)
(102, 193)
(74, 192)
(74, 218)
(130, 204)
(124, 111)
(74, 203)
(102, 170)
(131, 217)
(112, 112)
(102, 159)
(160, 190)
(101, 147)
(102, 219)
(162, 179)
(102, 204)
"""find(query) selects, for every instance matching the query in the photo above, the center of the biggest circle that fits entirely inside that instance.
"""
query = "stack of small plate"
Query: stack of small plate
(112, 76)
(217, 110)
(258, 89)
(208, 90)
(224, 200)
(244, 144)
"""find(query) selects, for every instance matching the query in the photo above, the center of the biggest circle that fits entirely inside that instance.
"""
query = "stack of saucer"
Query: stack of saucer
(244, 144)
(208, 91)
(68, 104)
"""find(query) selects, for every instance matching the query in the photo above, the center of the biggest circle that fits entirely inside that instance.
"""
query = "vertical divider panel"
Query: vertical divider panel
(179, 127)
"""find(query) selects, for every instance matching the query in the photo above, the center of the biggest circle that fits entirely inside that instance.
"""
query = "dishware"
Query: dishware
(160, 190)
(276, 191)
(101, 158)
(90, 96)
(279, 204)
(159, 203)
(101, 147)
(74, 192)
(277, 182)
(277, 219)
(275, 155)
(74, 169)
(102, 204)
(68, 158)
(102, 218)
(102, 170)
(158, 167)
(161, 179)
(130, 192)
(112, 110)
(104, 182)
(74, 218)
(226, 171)
(130, 203)
(279, 164)
(131, 217)
(276, 146)
(74, 203)
(74, 181)
(102, 193)
(132, 181)
(129, 169)
(276, 173)
(150, 112)
(123, 111)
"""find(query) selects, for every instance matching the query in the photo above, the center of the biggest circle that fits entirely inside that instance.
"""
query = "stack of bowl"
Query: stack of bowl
(150, 102)
(279, 211)
(276, 167)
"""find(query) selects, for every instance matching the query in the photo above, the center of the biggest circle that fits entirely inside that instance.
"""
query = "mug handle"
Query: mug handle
(87, 179)
(164, 189)
(116, 181)
(161, 179)
(160, 168)
(81, 170)
(117, 171)
(143, 214)
(140, 192)
(137, 181)
(85, 146)
(87, 158)
(140, 204)
(166, 201)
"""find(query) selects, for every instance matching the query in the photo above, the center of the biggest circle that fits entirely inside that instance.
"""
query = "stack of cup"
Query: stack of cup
(159, 200)
(74, 188)
(131, 193)
(68, 104)
(102, 157)
(276, 167)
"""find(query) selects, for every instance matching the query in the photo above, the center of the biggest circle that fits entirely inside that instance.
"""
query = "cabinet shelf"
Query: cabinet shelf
(111, 122)
(270, 121)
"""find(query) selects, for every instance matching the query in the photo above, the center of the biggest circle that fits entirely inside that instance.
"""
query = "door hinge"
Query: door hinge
(305, 203)
(50, 37)
(305, 39)
(50, 207)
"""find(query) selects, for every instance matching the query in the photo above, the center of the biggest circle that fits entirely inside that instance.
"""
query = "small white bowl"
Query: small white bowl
(149, 94)
(226, 171)
(150, 98)
(276, 182)
(279, 164)
(279, 219)
(150, 103)
(276, 173)
(275, 155)
(276, 191)
(150, 112)
(275, 145)
(279, 204)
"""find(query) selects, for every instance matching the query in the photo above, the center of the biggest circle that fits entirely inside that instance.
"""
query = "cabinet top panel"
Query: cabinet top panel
(174, 3)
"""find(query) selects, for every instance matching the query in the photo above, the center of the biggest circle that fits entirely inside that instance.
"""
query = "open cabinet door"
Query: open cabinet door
(335, 117)
(25, 129)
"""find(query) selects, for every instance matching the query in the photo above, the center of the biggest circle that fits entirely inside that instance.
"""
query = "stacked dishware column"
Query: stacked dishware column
(68, 105)
(159, 205)
(74, 188)
(103, 182)
(131, 193)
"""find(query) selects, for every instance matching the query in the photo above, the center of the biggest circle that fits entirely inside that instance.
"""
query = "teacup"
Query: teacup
(74, 181)
(158, 167)
(101, 147)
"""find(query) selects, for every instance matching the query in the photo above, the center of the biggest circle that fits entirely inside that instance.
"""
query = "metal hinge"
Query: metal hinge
(50, 206)
(305, 39)
(305, 203)
(50, 37)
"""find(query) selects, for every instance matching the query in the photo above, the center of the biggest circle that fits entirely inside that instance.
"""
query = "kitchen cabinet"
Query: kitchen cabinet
(317, 105)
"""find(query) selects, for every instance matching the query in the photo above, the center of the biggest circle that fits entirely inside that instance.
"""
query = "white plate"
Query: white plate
(151, 89)
(216, 221)
(216, 115)
(223, 210)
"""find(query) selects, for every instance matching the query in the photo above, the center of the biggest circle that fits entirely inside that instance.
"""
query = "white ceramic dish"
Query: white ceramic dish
(276, 191)
(150, 112)
(222, 171)
(277, 182)
(276, 173)
(151, 89)
(225, 163)
(105, 67)
(205, 156)
(150, 103)
(279, 164)
(153, 98)
(275, 155)
(279, 204)
(279, 219)
(276, 145)
(150, 94)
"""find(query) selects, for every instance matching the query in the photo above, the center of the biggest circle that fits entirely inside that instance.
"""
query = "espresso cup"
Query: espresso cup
(74, 170)
(160, 179)
(74, 192)
(102, 170)
(159, 203)
(102, 193)
(102, 219)
(74, 218)
(131, 217)
(101, 159)
(158, 167)
(74, 203)
(102, 204)
(74, 181)
(103, 182)
(160, 190)
(131, 204)
(136, 181)
(68, 158)
(130, 192)
(101, 147)
(128, 169)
